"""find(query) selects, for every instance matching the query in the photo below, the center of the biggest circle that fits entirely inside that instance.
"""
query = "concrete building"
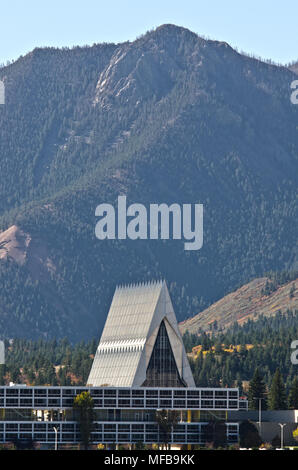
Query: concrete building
(270, 423)
(141, 344)
(140, 367)
(122, 415)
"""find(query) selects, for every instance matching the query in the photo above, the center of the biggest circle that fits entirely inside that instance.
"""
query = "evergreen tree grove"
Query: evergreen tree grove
(293, 395)
(257, 390)
(277, 395)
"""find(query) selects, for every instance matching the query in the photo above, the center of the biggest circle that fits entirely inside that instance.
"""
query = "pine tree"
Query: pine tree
(277, 394)
(239, 384)
(83, 410)
(2, 373)
(293, 395)
(257, 389)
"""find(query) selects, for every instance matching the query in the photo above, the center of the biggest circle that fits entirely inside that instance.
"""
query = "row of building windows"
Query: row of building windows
(31, 397)
(110, 403)
(110, 433)
(25, 392)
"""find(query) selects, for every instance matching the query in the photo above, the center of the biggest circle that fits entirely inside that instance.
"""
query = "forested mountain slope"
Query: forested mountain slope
(170, 117)
(265, 296)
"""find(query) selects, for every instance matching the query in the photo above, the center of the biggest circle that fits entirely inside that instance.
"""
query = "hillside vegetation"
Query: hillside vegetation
(170, 117)
(264, 296)
(264, 344)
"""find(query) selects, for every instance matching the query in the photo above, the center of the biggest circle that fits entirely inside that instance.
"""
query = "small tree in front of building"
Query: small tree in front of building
(216, 434)
(249, 435)
(276, 441)
(295, 434)
(166, 420)
(84, 414)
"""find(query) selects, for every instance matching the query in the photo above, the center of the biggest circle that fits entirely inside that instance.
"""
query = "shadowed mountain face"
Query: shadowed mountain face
(170, 117)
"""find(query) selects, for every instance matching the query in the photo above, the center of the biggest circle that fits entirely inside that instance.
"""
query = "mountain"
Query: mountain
(294, 67)
(168, 118)
(260, 297)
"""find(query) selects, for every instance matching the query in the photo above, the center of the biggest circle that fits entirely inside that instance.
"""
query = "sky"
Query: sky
(265, 28)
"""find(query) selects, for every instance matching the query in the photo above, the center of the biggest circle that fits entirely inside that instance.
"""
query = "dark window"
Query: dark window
(179, 393)
(137, 403)
(138, 393)
(40, 402)
(12, 392)
(193, 394)
(97, 403)
(109, 427)
(207, 394)
(193, 403)
(109, 438)
(39, 392)
(179, 438)
(122, 402)
(68, 402)
(233, 428)
(151, 427)
(40, 427)
(123, 427)
(11, 427)
(221, 393)
(207, 404)
(25, 402)
(151, 403)
(179, 404)
(11, 401)
(162, 370)
(26, 391)
(123, 437)
(151, 393)
(25, 427)
(165, 403)
(137, 437)
(109, 402)
(220, 403)
(54, 402)
(67, 427)
(54, 392)
(233, 404)
(124, 393)
(152, 438)
(110, 393)
(179, 428)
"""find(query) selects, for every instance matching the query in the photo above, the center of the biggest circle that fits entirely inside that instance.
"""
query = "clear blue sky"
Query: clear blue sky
(268, 28)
